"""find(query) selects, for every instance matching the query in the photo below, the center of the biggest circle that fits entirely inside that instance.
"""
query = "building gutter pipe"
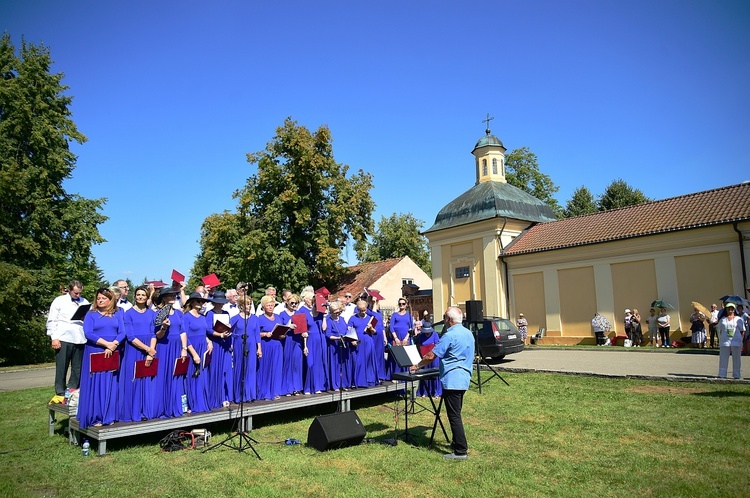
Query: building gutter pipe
(741, 240)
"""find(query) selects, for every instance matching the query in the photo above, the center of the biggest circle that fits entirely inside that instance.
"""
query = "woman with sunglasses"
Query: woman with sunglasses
(104, 330)
(401, 323)
(295, 348)
(731, 328)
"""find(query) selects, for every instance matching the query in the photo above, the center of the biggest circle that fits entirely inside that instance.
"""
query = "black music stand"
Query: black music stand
(479, 361)
(241, 439)
(405, 357)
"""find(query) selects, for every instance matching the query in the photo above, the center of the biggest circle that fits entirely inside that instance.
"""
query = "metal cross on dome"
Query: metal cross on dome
(488, 122)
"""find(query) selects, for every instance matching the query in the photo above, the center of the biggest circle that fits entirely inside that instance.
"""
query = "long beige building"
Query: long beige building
(507, 252)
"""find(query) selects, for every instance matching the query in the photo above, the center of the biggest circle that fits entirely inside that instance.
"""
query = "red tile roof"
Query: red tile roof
(364, 275)
(701, 209)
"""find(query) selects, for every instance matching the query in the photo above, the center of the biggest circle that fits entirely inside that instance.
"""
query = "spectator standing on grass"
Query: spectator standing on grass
(663, 322)
(713, 322)
(635, 320)
(601, 326)
(731, 329)
(523, 327)
(698, 328)
(67, 337)
(653, 327)
(629, 326)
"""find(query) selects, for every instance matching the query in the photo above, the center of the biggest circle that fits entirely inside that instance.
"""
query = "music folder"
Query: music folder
(141, 370)
(373, 321)
(351, 334)
(405, 356)
(100, 363)
(180, 366)
(426, 348)
(300, 320)
(279, 331)
(177, 276)
(221, 323)
(80, 312)
(207, 357)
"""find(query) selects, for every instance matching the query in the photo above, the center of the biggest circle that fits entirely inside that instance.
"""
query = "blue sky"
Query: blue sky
(173, 94)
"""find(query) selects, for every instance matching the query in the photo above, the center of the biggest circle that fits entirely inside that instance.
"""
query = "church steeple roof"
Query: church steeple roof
(491, 197)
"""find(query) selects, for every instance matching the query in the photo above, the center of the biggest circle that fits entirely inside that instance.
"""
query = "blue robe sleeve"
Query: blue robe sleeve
(88, 327)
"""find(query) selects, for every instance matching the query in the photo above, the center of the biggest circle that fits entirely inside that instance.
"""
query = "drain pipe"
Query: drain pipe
(740, 238)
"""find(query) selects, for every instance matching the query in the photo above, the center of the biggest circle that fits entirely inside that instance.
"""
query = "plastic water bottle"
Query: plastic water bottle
(85, 447)
(67, 396)
(184, 403)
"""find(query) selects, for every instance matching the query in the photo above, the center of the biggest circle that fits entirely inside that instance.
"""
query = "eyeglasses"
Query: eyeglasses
(402, 304)
(348, 296)
(293, 303)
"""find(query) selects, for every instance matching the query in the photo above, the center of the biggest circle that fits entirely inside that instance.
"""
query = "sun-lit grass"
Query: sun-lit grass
(544, 435)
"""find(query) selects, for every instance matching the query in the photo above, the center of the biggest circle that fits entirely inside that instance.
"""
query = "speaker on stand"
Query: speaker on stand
(474, 311)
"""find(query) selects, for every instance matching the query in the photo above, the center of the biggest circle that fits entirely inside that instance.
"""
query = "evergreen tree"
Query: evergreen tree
(619, 194)
(47, 233)
(581, 203)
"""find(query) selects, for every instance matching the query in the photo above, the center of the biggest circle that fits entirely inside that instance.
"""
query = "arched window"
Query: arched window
(494, 166)
(484, 167)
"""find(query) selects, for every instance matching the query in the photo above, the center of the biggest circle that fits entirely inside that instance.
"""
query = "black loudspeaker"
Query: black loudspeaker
(474, 311)
(337, 430)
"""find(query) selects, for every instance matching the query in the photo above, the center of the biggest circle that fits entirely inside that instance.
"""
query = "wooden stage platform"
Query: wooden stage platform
(103, 434)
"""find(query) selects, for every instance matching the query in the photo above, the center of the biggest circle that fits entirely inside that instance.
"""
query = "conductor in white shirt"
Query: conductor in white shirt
(67, 338)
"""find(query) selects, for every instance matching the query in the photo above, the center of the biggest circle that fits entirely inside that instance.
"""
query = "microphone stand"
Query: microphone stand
(241, 439)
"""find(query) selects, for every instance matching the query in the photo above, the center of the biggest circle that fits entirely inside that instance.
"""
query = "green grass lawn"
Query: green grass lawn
(545, 435)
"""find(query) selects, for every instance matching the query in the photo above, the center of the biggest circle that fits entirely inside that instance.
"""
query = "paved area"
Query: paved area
(665, 364)
(26, 378)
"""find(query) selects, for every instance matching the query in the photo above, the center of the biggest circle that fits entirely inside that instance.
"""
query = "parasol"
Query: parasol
(701, 308)
(661, 304)
(733, 298)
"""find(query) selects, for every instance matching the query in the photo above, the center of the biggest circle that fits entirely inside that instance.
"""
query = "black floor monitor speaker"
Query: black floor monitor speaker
(337, 430)
(474, 311)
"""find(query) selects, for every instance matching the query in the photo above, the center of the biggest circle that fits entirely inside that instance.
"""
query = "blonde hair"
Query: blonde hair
(266, 299)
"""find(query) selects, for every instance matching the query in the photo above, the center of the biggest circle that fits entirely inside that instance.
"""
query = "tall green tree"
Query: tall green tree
(522, 171)
(294, 216)
(47, 232)
(581, 203)
(619, 194)
(398, 236)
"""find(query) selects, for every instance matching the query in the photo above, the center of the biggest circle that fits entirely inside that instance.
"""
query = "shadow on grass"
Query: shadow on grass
(722, 394)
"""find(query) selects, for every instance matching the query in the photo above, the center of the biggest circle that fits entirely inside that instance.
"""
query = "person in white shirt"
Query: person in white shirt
(67, 338)
(278, 307)
(122, 300)
(349, 307)
(231, 306)
(731, 328)
(712, 323)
